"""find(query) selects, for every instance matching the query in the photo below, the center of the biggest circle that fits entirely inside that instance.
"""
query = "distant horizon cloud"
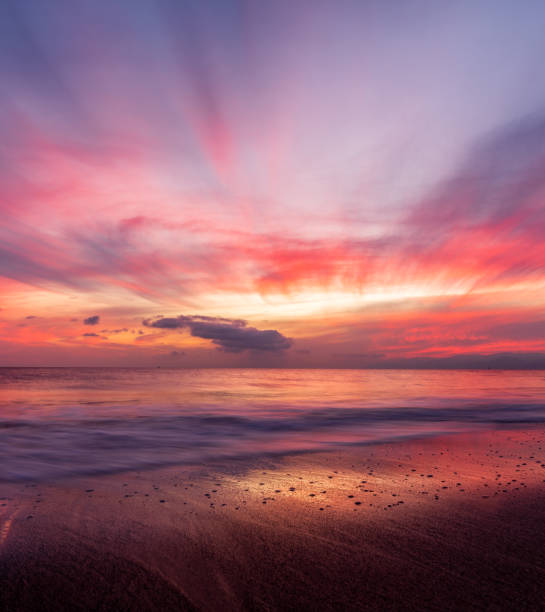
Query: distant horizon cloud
(229, 335)
(94, 320)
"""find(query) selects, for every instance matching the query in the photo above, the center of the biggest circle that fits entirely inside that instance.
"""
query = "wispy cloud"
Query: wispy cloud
(289, 173)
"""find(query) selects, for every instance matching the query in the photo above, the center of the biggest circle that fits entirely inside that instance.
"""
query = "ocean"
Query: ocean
(62, 422)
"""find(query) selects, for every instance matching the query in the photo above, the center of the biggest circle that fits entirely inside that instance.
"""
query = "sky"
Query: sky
(272, 184)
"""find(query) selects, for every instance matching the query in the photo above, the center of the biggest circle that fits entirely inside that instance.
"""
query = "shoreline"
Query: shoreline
(435, 523)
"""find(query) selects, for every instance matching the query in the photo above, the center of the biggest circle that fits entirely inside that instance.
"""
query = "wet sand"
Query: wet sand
(436, 524)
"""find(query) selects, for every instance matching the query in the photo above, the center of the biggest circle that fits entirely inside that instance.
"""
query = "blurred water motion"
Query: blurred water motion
(62, 422)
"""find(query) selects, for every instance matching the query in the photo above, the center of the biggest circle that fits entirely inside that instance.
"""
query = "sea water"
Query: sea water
(59, 422)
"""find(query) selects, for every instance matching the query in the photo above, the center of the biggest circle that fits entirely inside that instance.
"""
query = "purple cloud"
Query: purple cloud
(229, 335)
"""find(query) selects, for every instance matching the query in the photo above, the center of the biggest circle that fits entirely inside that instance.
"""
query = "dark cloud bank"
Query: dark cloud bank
(91, 320)
(229, 335)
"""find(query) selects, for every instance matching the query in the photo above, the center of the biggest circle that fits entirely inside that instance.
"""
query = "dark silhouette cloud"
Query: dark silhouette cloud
(495, 361)
(91, 320)
(229, 335)
(91, 335)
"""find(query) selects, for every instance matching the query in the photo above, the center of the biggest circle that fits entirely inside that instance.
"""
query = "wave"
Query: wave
(48, 448)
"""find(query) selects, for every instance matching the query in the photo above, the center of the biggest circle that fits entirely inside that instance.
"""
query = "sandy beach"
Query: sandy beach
(440, 523)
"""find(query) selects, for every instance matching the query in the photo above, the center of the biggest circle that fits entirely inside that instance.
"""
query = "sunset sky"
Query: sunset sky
(285, 184)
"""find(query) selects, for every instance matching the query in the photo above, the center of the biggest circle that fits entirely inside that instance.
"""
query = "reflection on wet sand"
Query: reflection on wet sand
(440, 523)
